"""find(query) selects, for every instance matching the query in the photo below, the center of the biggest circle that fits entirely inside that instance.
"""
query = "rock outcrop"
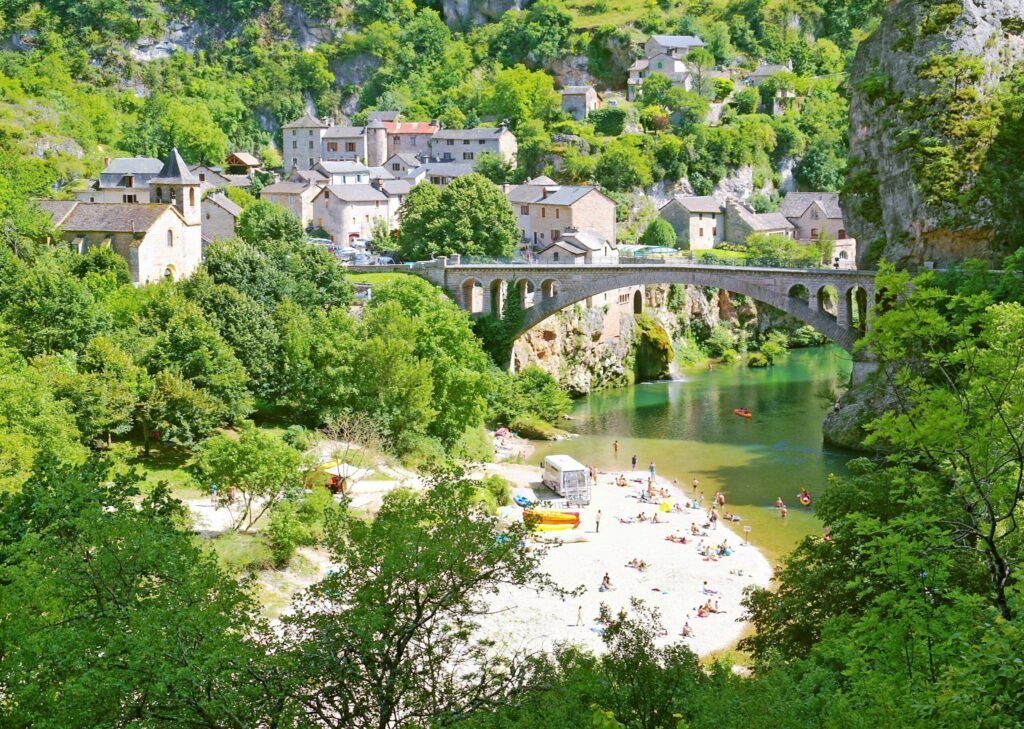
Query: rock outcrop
(464, 13)
(926, 71)
(588, 349)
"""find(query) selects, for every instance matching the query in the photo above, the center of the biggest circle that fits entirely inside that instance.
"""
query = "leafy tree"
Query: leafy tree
(373, 642)
(390, 382)
(166, 121)
(443, 338)
(533, 392)
(653, 89)
(820, 169)
(700, 61)
(746, 101)
(261, 467)
(623, 167)
(263, 223)
(111, 615)
(493, 167)
(34, 423)
(722, 88)
(190, 350)
(477, 220)
(688, 109)
(518, 94)
(48, 309)
(659, 233)
(609, 121)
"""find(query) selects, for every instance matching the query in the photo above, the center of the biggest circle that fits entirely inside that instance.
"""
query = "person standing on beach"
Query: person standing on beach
(651, 469)
(597, 522)
(579, 616)
(615, 448)
(634, 461)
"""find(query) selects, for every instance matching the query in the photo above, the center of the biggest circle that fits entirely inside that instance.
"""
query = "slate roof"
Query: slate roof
(678, 41)
(285, 188)
(225, 203)
(384, 116)
(307, 176)
(305, 121)
(113, 217)
(589, 239)
(380, 173)
(344, 132)
(175, 171)
(357, 193)
(764, 221)
(410, 160)
(447, 169)
(700, 204)
(58, 210)
(577, 90)
(567, 194)
(342, 167)
(795, 204)
(133, 166)
(393, 188)
(475, 133)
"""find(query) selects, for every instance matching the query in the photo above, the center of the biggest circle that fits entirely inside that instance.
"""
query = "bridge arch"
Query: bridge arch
(780, 288)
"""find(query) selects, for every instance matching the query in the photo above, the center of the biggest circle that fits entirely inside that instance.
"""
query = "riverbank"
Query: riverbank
(673, 582)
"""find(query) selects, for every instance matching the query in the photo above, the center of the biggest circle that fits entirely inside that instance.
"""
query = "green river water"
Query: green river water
(687, 427)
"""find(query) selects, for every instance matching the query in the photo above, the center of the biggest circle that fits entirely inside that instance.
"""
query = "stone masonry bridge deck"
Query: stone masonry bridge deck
(545, 289)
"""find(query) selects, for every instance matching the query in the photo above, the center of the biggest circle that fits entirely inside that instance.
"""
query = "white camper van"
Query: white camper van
(568, 478)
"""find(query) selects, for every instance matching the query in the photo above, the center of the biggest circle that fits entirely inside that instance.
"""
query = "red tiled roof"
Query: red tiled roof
(410, 127)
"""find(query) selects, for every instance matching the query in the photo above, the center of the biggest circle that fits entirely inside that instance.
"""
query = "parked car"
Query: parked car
(322, 241)
(363, 243)
(385, 261)
(361, 259)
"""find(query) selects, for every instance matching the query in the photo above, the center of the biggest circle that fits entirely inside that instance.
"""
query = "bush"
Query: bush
(494, 492)
(659, 233)
(609, 122)
(529, 392)
(757, 359)
(729, 356)
(286, 532)
(241, 553)
(528, 426)
(723, 87)
(719, 341)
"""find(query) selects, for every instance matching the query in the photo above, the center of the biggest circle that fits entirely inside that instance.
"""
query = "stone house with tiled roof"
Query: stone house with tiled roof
(544, 210)
(294, 196)
(346, 212)
(815, 213)
(158, 239)
(698, 220)
(466, 145)
(578, 101)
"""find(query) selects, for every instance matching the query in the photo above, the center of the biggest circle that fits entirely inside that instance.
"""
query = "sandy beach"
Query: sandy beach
(673, 583)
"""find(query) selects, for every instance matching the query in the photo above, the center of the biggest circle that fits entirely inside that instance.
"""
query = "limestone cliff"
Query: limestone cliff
(588, 349)
(464, 13)
(924, 115)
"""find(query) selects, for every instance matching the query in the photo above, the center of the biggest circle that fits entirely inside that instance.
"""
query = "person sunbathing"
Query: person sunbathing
(641, 517)
(694, 531)
(687, 630)
(606, 583)
(701, 612)
(656, 520)
(633, 563)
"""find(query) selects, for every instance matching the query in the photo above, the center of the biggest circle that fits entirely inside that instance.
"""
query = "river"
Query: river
(687, 427)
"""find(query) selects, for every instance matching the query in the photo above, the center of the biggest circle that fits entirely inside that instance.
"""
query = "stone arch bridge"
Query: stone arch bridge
(545, 289)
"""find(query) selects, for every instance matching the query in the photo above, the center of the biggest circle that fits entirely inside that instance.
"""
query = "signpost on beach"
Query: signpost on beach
(746, 534)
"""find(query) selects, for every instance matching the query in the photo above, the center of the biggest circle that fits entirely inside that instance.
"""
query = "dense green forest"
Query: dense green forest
(907, 612)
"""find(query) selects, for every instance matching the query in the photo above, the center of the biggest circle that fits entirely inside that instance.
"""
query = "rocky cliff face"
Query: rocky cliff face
(463, 13)
(920, 124)
(606, 346)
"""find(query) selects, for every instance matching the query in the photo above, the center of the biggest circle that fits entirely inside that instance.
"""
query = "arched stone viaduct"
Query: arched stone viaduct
(546, 289)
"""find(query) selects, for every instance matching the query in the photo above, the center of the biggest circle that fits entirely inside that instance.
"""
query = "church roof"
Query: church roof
(113, 217)
(175, 171)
